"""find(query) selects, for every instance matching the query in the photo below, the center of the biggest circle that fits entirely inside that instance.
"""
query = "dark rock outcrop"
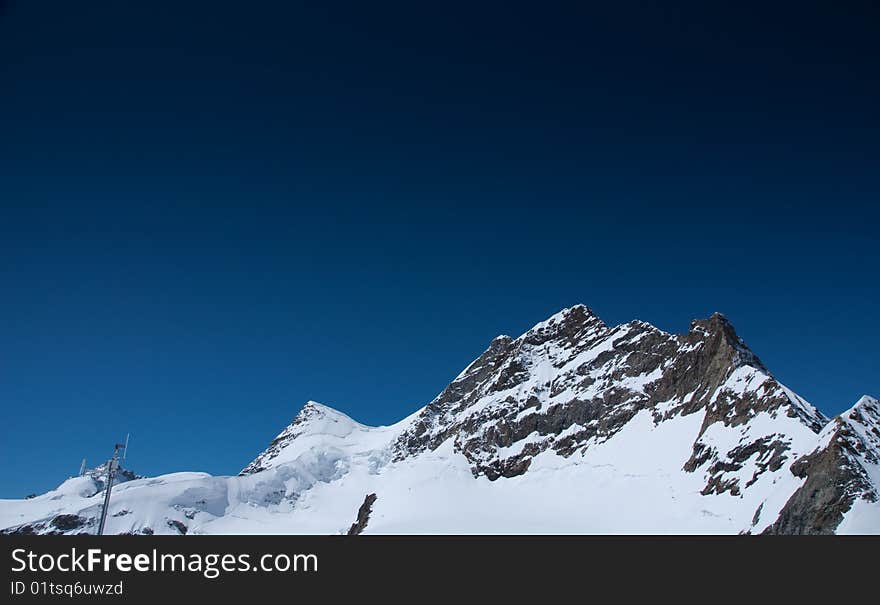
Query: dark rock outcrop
(68, 522)
(180, 527)
(54, 526)
(363, 516)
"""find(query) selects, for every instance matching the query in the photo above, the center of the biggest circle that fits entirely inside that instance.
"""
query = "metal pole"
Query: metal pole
(112, 465)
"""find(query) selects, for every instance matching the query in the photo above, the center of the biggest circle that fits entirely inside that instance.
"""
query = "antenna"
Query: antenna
(112, 467)
(82, 468)
(125, 447)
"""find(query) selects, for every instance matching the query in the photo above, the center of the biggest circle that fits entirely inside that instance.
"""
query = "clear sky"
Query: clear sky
(213, 212)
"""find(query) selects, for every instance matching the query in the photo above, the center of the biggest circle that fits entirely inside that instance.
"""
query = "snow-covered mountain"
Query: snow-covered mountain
(574, 427)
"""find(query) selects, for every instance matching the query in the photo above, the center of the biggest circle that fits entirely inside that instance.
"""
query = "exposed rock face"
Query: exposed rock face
(571, 381)
(56, 526)
(68, 522)
(837, 473)
(177, 526)
(363, 516)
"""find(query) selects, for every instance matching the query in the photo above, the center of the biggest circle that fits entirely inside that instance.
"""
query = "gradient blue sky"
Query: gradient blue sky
(211, 214)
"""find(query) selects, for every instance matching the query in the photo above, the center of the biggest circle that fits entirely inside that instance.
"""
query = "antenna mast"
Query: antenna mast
(82, 468)
(112, 467)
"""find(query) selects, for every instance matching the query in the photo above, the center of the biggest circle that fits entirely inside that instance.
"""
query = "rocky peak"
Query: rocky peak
(718, 334)
(571, 381)
(568, 325)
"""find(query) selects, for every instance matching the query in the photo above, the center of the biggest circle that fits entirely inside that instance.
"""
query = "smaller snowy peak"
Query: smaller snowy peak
(330, 437)
(866, 409)
(863, 421)
(92, 482)
(315, 422)
(313, 412)
(841, 475)
(71, 508)
(863, 417)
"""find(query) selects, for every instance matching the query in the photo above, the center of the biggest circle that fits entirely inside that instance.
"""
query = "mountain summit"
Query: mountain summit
(573, 427)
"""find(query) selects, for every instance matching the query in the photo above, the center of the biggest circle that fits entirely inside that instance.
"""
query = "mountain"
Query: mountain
(573, 427)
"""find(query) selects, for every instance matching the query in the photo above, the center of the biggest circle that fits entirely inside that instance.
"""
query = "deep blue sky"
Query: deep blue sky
(213, 213)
